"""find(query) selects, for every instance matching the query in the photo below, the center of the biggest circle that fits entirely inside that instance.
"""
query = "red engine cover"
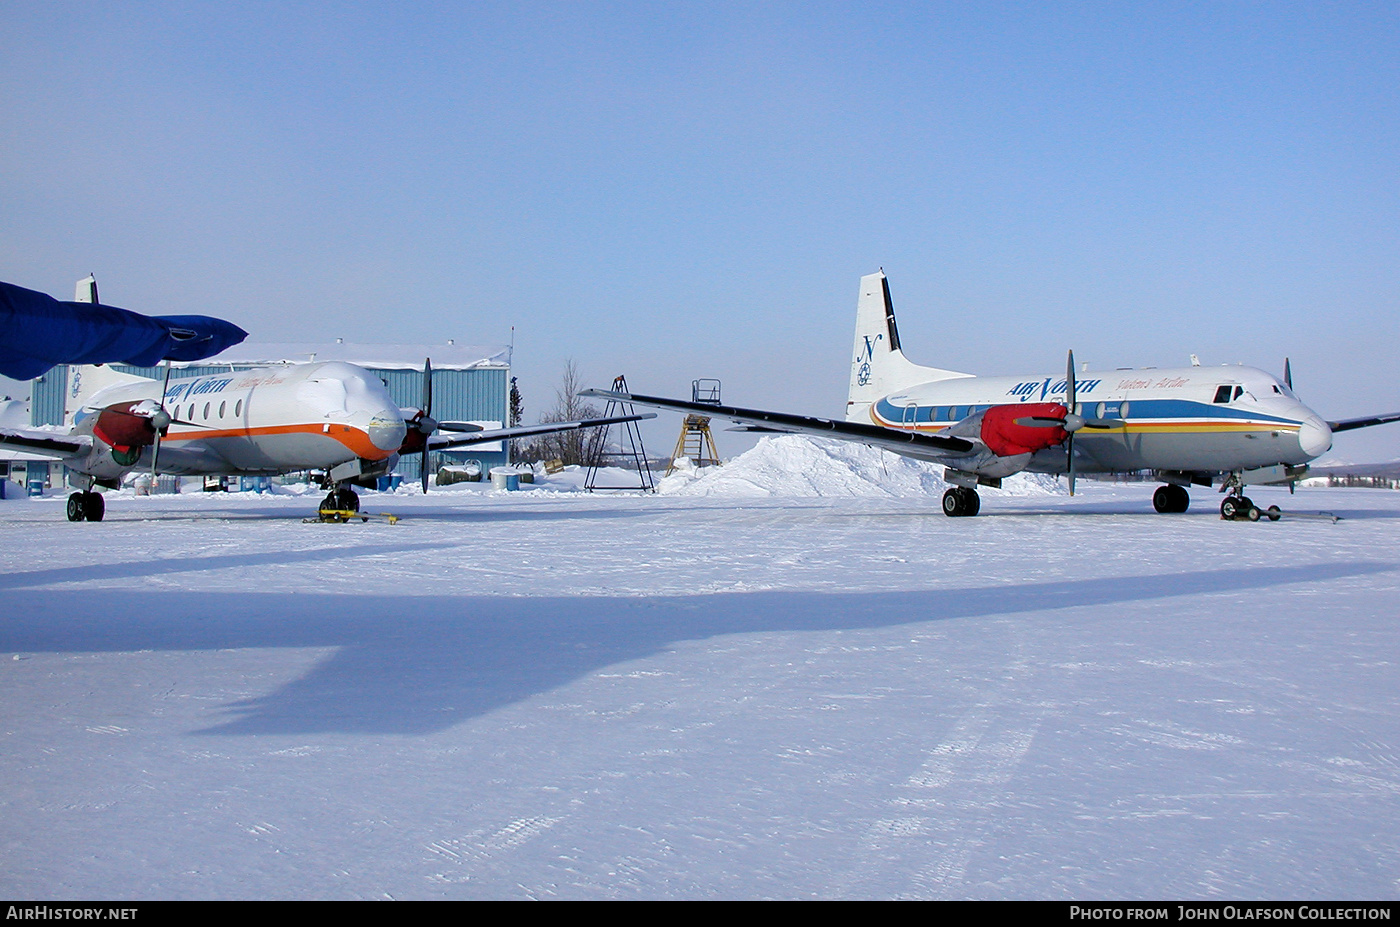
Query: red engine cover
(1005, 438)
(119, 428)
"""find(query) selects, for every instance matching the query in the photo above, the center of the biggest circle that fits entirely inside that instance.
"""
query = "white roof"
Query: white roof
(379, 356)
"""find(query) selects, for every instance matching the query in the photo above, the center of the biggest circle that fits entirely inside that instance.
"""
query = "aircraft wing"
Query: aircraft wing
(1350, 424)
(444, 442)
(901, 442)
(51, 445)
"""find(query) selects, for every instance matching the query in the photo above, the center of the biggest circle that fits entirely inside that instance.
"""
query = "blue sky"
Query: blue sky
(675, 190)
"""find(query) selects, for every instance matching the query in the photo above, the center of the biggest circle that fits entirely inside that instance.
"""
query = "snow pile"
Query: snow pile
(795, 465)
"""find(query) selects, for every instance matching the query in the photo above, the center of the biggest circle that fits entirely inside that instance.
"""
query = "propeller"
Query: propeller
(1071, 421)
(1071, 427)
(153, 416)
(422, 426)
(160, 422)
(423, 422)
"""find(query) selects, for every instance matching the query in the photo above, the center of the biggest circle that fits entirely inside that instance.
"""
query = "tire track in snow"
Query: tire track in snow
(927, 840)
(481, 846)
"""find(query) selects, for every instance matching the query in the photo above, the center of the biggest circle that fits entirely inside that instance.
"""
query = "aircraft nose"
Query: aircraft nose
(387, 430)
(1314, 437)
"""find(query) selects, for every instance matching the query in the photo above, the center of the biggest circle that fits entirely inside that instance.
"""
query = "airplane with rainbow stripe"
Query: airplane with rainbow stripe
(1234, 426)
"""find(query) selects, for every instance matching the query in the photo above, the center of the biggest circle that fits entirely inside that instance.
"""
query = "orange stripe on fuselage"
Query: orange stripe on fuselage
(354, 440)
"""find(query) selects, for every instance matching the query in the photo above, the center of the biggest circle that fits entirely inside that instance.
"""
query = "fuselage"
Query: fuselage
(266, 420)
(1193, 419)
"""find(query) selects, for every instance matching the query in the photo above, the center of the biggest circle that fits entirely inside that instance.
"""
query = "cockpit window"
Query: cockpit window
(1222, 394)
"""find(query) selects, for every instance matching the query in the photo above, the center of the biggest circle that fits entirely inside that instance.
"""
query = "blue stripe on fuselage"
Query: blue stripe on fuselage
(1138, 409)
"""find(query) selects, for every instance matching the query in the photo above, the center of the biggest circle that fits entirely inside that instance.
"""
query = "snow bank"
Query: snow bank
(794, 465)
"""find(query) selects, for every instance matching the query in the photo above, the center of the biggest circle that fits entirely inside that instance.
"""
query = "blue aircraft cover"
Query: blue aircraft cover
(38, 332)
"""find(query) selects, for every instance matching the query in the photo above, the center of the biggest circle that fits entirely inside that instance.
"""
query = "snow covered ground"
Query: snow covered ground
(793, 687)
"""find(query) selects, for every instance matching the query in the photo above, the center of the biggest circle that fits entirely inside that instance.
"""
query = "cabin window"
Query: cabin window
(222, 407)
(190, 414)
(238, 409)
(1123, 410)
(206, 411)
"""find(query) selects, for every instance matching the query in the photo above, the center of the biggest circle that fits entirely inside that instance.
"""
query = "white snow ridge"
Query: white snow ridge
(794, 465)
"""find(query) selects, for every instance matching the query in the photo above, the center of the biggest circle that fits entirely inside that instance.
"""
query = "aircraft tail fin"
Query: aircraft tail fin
(879, 367)
(86, 381)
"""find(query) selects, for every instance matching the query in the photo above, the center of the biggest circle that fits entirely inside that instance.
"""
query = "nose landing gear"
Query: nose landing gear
(340, 505)
(1242, 508)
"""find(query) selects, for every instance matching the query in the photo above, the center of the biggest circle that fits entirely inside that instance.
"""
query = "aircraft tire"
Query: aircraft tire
(330, 508)
(1274, 513)
(959, 502)
(1252, 513)
(1230, 508)
(1171, 499)
(94, 507)
(348, 499)
(76, 510)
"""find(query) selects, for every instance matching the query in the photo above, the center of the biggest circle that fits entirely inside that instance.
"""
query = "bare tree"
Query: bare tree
(582, 446)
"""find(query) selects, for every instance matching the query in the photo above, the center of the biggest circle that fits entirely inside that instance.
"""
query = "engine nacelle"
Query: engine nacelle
(1006, 435)
(126, 425)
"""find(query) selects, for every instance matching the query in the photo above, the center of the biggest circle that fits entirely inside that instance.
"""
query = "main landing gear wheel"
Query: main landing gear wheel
(961, 501)
(1171, 499)
(86, 506)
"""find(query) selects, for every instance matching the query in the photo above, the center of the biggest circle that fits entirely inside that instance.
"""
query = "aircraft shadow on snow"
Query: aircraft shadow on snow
(415, 664)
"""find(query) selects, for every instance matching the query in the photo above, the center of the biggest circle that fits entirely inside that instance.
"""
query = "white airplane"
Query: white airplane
(335, 417)
(1190, 426)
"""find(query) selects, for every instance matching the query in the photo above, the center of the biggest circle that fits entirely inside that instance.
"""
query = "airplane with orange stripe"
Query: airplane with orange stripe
(330, 416)
(1234, 425)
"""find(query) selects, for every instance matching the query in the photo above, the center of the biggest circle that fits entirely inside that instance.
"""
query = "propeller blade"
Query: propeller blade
(1069, 461)
(424, 421)
(1071, 409)
(427, 386)
(161, 417)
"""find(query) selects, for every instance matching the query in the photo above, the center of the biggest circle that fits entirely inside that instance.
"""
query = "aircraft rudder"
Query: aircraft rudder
(878, 365)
